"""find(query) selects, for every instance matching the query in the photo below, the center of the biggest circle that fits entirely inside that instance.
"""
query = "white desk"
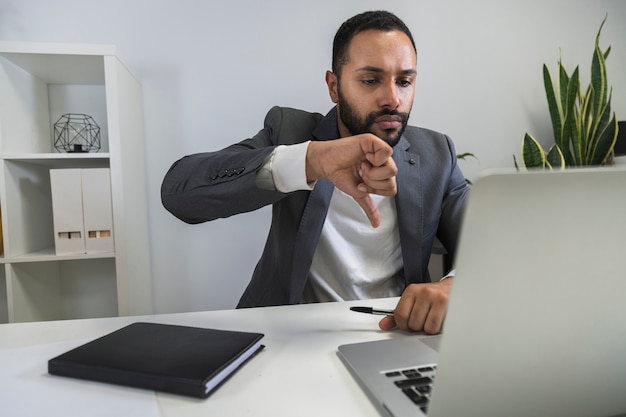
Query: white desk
(298, 373)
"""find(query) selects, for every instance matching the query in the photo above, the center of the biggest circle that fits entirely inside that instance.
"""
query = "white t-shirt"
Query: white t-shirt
(353, 260)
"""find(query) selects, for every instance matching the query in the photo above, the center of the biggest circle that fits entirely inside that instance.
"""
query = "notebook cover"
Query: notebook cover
(161, 357)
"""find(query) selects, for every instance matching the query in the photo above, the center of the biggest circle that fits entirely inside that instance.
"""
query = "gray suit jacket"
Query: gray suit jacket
(207, 186)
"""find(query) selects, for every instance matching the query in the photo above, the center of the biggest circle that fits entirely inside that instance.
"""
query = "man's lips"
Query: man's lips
(389, 122)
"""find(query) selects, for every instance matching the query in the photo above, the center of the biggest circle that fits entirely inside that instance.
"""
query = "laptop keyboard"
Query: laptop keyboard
(415, 383)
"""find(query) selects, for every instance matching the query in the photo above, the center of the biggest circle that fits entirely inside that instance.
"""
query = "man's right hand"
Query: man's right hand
(357, 165)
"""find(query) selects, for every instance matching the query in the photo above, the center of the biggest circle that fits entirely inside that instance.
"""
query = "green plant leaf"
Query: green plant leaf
(555, 157)
(600, 124)
(466, 155)
(553, 105)
(515, 162)
(533, 155)
(598, 75)
(570, 143)
(584, 127)
(587, 115)
(606, 141)
(563, 83)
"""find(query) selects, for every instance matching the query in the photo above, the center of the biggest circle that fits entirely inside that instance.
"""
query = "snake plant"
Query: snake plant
(584, 128)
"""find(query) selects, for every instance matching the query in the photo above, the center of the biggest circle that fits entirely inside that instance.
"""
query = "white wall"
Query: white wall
(210, 70)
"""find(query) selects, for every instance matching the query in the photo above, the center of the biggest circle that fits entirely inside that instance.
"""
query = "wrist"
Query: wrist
(312, 166)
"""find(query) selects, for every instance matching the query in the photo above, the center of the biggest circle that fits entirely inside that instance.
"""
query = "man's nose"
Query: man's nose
(389, 96)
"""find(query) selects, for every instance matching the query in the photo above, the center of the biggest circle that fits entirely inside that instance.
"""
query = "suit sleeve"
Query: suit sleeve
(206, 186)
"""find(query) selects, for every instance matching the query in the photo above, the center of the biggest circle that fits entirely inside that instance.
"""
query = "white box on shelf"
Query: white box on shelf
(97, 210)
(82, 210)
(67, 211)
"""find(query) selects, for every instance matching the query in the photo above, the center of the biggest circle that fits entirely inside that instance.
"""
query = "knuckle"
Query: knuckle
(432, 326)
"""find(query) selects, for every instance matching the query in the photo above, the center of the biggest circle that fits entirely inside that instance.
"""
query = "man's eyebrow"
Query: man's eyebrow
(409, 71)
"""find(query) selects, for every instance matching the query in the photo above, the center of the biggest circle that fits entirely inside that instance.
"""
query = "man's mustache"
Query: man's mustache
(371, 118)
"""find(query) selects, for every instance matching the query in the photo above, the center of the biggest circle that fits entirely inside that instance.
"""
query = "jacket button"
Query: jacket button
(412, 161)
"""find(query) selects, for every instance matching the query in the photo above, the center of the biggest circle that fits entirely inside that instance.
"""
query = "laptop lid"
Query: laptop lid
(537, 319)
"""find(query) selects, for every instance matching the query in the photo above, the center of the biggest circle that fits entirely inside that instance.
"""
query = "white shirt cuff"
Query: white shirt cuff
(450, 275)
(288, 167)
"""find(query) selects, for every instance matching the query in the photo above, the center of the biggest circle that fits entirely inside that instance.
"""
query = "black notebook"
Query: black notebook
(178, 359)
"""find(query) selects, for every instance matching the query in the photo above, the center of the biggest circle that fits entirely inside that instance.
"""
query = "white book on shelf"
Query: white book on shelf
(97, 210)
(67, 211)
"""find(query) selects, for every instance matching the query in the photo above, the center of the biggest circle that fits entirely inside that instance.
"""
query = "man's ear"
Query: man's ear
(332, 83)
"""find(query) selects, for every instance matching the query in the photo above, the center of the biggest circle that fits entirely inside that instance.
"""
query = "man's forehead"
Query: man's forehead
(370, 48)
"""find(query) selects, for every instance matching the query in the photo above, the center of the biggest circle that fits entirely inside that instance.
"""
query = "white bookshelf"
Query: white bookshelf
(39, 82)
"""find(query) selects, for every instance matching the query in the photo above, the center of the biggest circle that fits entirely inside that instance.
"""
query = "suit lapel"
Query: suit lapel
(313, 216)
(409, 206)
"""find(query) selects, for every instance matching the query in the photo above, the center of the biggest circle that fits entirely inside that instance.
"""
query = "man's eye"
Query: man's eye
(369, 81)
(404, 83)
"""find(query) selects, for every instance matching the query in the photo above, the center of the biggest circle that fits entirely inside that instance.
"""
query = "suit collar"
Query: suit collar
(403, 144)
(328, 128)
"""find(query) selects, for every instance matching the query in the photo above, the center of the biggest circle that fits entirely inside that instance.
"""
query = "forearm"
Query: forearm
(207, 186)
(212, 185)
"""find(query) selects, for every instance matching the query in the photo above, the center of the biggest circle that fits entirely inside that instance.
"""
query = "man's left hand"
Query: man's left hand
(422, 307)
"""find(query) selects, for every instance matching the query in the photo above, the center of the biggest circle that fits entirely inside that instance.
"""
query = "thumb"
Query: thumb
(370, 209)
(387, 323)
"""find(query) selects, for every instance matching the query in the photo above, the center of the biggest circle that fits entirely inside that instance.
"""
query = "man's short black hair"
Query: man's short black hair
(372, 20)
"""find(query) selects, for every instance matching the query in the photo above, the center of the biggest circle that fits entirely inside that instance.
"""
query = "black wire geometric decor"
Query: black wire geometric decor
(75, 132)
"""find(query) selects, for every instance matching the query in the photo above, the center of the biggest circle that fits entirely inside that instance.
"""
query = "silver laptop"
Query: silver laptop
(536, 324)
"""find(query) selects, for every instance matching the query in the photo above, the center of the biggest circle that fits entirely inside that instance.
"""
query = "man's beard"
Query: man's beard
(356, 125)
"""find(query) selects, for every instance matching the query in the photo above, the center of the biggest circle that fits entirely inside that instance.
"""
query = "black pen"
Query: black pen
(370, 310)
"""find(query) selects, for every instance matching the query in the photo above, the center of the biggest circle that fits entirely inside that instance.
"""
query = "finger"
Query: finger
(370, 209)
(403, 310)
(417, 318)
(379, 157)
(384, 172)
(379, 180)
(412, 310)
(387, 323)
(376, 150)
(379, 188)
(434, 322)
(386, 187)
